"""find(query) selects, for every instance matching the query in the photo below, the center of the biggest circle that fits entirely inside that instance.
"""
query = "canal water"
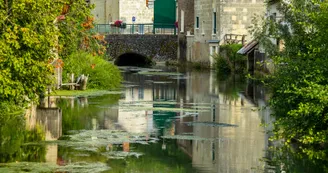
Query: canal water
(161, 121)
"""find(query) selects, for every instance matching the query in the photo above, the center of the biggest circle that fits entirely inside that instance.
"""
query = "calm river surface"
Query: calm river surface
(188, 122)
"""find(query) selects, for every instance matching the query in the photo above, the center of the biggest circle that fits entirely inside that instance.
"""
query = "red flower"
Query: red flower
(176, 24)
(118, 23)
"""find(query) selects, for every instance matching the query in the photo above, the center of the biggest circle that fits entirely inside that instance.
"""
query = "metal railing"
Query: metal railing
(136, 29)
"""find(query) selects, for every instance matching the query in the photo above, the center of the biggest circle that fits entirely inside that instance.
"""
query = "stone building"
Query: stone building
(108, 11)
(213, 19)
(185, 17)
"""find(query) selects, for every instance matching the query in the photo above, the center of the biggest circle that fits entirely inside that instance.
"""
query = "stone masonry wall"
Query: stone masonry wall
(137, 8)
(232, 17)
(237, 16)
(189, 22)
(108, 11)
(158, 47)
(105, 11)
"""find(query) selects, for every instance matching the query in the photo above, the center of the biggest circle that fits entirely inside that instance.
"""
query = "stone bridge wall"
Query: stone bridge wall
(158, 47)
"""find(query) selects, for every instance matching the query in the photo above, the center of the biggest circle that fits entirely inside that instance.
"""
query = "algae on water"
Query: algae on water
(212, 124)
(160, 73)
(190, 137)
(121, 154)
(34, 167)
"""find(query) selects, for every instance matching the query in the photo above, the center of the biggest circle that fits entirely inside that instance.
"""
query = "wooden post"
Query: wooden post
(84, 81)
(72, 87)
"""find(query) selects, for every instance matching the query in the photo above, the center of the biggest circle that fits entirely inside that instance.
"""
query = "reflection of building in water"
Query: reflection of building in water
(137, 121)
(164, 91)
(49, 117)
(239, 148)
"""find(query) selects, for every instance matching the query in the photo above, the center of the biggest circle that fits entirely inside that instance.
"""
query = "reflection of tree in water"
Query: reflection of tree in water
(13, 134)
(231, 86)
(291, 159)
(78, 112)
(153, 158)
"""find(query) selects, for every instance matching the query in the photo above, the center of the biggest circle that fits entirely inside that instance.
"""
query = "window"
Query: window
(197, 22)
(214, 22)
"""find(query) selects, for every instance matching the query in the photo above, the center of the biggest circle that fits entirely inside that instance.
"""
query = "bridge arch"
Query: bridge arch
(133, 59)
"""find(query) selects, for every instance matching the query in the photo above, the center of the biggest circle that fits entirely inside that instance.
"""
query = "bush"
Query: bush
(236, 61)
(221, 64)
(102, 74)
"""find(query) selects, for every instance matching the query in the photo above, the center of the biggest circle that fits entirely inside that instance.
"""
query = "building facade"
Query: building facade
(213, 19)
(186, 21)
(108, 11)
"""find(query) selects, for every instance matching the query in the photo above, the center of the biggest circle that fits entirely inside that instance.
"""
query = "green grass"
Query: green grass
(89, 92)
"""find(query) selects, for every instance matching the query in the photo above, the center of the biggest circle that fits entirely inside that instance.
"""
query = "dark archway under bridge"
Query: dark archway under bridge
(133, 59)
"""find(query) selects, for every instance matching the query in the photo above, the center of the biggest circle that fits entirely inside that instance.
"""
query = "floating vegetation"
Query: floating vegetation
(190, 137)
(34, 167)
(83, 167)
(179, 77)
(147, 102)
(201, 107)
(82, 155)
(92, 140)
(138, 69)
(135, 108)
(76, 93)
(212, 124)
(188, 114)
(162, 82)
(130, 86)
(160, 73)
(121, 154)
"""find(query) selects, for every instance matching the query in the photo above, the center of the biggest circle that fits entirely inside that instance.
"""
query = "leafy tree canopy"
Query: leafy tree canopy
(32, 33)
(300, 82)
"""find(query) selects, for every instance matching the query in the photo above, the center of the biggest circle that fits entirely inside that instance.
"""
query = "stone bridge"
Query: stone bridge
(157, 47)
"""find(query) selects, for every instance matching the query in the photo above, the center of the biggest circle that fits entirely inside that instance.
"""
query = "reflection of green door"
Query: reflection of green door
(164, 12)
(162, 118)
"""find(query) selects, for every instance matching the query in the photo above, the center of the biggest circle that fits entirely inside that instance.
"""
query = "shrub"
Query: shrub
(221, 64)
(237, 62)
(102, 74)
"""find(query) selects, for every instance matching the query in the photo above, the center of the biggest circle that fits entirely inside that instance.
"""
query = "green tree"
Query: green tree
(26, 37)
(31, 32)
(300, 82)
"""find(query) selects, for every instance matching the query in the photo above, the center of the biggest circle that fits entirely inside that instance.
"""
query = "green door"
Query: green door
(164, 13)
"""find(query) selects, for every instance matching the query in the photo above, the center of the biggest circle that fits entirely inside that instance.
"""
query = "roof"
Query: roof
(248, 47)
(213, 41)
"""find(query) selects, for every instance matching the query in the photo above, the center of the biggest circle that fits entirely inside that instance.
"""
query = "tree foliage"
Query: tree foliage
(229, 60)
(300, 82)
(31, 33)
